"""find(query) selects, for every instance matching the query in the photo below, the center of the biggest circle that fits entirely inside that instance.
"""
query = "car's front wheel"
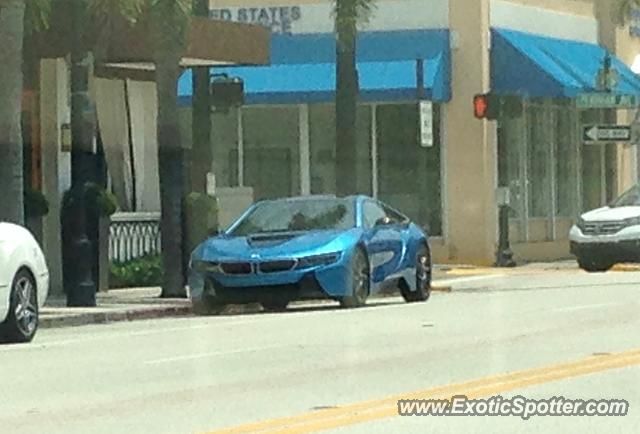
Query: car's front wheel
(207, 305)
(359, 279)
(594, 265)
(22, 321)
(423, 278)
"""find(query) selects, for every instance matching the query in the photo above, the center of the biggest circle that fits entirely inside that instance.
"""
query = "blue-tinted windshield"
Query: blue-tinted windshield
(298, 215)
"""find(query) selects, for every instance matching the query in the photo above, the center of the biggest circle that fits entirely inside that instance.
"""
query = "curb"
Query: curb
(626, 267)
(110, 317)
(443, 288)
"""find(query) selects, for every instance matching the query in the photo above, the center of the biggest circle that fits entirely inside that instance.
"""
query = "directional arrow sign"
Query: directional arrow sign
(606, 133)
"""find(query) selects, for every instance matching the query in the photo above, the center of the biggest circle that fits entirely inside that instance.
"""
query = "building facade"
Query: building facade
(545, 52)
(281, 142)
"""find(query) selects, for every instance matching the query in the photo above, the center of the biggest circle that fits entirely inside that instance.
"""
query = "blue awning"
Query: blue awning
(536, 66)
(302, 69)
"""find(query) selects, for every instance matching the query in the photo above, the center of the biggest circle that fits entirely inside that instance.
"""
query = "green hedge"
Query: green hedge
(141, 272)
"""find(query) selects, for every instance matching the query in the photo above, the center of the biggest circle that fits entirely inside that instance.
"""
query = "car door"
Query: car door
(383, 240)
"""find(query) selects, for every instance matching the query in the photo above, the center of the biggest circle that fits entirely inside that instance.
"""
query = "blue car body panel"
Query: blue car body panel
(391, 251)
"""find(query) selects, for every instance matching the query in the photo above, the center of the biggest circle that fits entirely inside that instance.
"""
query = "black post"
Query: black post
(423, 157)
(504, 255)
(202, 151)
(420, 78)
(82, 288)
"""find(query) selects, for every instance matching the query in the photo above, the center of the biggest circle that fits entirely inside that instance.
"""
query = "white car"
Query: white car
(24, 283)
(608, 235)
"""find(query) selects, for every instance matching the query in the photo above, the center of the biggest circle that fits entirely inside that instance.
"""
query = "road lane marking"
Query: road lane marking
(586, 306)
(119, 333)
(449, 282)
(387, 407)
(211, 354)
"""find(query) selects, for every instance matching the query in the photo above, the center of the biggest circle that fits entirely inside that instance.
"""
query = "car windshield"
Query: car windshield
(297, 215)
(630, 197)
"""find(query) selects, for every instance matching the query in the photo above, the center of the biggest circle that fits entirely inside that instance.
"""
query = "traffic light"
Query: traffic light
(490, 106)
(486, 106)
(227, 92)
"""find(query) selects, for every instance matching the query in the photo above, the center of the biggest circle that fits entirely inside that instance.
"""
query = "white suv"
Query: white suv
(609, 235)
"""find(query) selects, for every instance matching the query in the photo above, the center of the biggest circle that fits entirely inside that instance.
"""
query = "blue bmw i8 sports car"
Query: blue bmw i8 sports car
(311, 247)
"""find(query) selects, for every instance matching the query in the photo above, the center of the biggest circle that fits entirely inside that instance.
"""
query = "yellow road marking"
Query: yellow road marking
(473, 271)
(387, 407)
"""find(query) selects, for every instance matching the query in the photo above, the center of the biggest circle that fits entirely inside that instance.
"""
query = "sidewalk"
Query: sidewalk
(114, 305)
(145, 303)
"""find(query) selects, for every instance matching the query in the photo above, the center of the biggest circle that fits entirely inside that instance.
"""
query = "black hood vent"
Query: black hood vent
(266, 240)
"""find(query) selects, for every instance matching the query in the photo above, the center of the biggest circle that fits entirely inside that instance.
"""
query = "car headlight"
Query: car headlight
(205, 266)
(633, 221)
(317, 260)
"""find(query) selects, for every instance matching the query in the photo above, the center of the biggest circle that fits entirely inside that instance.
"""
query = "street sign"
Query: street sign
(607, 100)
(426, 124)
(606, 133)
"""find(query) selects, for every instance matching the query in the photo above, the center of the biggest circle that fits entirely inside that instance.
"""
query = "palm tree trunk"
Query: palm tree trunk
(346, 97)
(171, 157)
(11, 146)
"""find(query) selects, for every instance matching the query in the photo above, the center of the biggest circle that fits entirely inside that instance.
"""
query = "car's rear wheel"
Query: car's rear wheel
(594, 265)
(359, 279)
(22, 321)
(275, 305)
(422, 278)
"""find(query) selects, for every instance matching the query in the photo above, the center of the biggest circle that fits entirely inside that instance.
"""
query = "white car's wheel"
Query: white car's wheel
(594, 265)
(22, 321)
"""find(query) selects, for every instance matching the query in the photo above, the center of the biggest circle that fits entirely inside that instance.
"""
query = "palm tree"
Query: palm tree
(624, 9)
(167, 48)
(11, 147)
(162, 15)
(348, 14)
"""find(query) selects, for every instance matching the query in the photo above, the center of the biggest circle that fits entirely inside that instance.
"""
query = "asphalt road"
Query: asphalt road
(539, 335)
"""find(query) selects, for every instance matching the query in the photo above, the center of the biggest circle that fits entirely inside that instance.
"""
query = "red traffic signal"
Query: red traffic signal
(481, 106)
(490, 106)
(486, 106)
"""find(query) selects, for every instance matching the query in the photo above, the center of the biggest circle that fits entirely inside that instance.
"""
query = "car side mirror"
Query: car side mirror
(383, 221)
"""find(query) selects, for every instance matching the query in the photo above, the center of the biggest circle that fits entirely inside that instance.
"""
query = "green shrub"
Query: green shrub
(35, 203)
(99, 201)
(141, 272)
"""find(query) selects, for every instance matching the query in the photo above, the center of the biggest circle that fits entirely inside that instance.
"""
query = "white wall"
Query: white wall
(505, 14)
(114, 125)
(316, 17)
(112, 118)
(144, 110)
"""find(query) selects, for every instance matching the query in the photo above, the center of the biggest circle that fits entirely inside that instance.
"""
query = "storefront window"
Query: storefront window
(322, 139)
(538, 162)
(271, 151)
(224, 139)
(593, 181)
(409, 175)
(566, 161)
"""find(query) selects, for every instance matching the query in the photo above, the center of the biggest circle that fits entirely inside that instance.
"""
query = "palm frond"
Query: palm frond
(102, 11)
(36, 15)
(624, 10)
(169, 20)
(353, 12)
